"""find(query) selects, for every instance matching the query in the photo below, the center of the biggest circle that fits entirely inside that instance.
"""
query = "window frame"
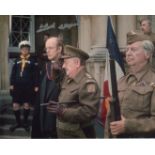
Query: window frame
(31, 35)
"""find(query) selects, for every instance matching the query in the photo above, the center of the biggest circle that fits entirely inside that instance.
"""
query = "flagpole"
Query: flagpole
(114, 55)
(113, 51)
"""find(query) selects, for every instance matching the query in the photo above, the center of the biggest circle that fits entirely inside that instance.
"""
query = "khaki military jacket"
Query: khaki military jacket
(137, 101)
(80, 98)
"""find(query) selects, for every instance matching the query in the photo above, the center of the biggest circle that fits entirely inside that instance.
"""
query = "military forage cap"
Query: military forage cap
(134, 36)
(24, 43)
(70, 51)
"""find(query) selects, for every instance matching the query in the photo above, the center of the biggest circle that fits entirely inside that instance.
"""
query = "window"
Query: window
(66, 26)
(22, 28)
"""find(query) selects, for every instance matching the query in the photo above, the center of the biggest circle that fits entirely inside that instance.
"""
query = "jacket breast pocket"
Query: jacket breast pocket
(69, 96)
(73, 93)
(142, 97)
(121, 93)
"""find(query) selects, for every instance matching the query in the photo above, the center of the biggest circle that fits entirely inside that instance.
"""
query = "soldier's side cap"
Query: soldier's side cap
(134, 36)
(24, 43)
(70, 51)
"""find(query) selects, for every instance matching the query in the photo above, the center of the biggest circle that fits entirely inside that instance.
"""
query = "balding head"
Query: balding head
(54, 47)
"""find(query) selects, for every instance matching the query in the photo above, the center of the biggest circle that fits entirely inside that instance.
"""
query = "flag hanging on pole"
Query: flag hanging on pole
(113, 51)
(112, 45)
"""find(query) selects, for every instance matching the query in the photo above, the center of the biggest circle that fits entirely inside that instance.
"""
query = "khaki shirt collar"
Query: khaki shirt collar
(140, 74)
(80, 75)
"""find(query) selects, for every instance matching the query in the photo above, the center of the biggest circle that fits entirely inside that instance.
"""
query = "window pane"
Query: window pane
(25, 24)
(16, 24)
(20, 29)
(15, 39)
(25, 36)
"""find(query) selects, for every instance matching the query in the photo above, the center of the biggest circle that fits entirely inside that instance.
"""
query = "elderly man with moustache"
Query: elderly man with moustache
(79, 97)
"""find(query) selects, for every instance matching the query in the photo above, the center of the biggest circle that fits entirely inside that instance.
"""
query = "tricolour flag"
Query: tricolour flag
(113, 53)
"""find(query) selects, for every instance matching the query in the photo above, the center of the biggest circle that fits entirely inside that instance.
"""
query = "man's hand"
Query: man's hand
(54, 107)
(117, 127)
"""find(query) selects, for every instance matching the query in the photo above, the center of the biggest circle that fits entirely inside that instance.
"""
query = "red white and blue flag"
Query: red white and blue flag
(115, 54)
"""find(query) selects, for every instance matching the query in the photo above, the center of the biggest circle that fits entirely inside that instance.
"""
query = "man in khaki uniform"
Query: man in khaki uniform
(146, 28)
(145, 25)
(79, 97)
(136, 93)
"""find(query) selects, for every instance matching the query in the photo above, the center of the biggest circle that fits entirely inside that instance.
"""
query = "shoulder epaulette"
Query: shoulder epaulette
(88, 76)
(90, 80)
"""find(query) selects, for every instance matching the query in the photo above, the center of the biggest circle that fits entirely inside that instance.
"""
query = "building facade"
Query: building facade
(87, 32)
